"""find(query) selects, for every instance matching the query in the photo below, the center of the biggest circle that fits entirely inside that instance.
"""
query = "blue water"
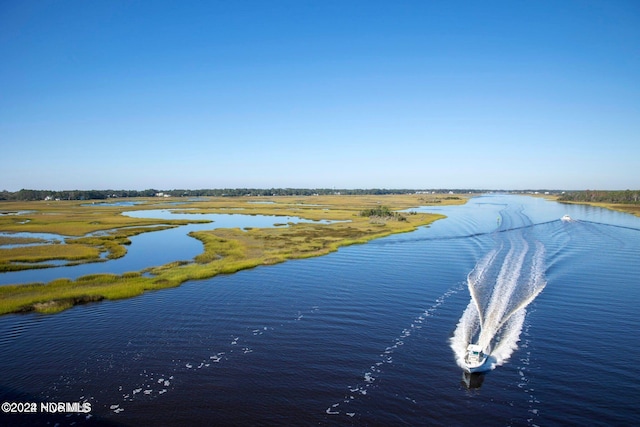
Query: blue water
(363, 336)
(148, 249)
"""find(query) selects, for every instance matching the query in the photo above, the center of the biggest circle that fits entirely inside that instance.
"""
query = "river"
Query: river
(368, 335)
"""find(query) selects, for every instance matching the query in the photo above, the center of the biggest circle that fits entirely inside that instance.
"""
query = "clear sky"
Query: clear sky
(300, 93)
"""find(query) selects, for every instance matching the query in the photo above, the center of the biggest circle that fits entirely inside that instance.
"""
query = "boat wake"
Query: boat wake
(501, 285)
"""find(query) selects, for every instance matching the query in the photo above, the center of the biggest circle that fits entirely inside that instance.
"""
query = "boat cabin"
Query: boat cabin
(474, 353)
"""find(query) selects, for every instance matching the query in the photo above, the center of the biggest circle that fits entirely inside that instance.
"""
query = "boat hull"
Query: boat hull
(483, 367)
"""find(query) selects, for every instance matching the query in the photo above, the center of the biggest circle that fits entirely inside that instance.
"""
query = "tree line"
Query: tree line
(28, 195)
(384, 212)
(597, 196)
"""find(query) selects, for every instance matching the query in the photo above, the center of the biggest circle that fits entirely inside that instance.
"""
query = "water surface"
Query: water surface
(149, 249)
(362, 336)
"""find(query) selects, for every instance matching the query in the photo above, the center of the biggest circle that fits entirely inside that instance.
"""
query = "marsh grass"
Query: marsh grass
(226, 251)
(632, 209)
(74, 218)
(10, 240)
(11, 258)
(78, 250)
(627, 208)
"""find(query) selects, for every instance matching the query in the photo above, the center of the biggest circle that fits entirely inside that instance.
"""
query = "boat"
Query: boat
(475, 360)
(566, 218)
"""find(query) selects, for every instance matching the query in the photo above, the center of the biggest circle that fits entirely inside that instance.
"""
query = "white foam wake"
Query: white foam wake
(502, 284)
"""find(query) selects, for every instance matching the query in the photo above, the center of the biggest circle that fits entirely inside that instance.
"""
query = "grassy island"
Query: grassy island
(94, 233)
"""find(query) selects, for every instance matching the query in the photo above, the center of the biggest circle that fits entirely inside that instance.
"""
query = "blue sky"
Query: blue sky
(345, 94)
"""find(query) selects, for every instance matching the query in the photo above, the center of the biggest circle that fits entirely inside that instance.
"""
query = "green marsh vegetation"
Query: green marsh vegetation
(225, 250)
(383, 213)
(75, 221)
(624, 201)
(9, 240)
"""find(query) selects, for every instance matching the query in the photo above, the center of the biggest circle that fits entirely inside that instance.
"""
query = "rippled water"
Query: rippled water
(358, 337)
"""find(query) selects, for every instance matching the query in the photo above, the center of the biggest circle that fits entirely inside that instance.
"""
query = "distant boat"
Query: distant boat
(566, 218)
(475, 360)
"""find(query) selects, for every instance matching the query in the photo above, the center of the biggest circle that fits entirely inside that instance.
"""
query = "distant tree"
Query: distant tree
(622, 197)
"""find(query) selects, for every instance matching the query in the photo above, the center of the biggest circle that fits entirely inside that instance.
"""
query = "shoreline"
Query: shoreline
(619, 207)
(226, 251)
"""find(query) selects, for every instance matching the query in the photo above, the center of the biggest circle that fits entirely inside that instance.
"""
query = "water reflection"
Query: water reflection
(473, 380)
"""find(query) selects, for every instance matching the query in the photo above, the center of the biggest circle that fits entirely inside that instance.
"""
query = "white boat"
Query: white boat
(566, 218)
(475, 359)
